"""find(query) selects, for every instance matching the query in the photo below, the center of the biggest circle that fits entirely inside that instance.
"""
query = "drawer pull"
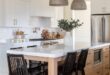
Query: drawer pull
(106, 56)
(98, 72)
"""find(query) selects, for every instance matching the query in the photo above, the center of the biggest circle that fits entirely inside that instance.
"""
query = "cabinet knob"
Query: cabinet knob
(106, 56)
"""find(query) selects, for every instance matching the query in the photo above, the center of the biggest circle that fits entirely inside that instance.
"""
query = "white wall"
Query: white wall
(83, 33)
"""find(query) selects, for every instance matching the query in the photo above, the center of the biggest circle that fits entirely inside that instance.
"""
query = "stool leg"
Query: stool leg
(83, 72)
(76, 73)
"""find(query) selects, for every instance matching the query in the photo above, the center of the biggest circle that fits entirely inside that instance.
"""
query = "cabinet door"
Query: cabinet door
(106, 6)
(106, 61)
(100, 6)
(41, 8)
(105, 57)
(97, 69)
(89, 71)
(105, 69)
(16, 12)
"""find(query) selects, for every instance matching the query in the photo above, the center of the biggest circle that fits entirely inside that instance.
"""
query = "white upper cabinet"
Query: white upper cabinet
(100, 6)
(41, 8)
(16, 13)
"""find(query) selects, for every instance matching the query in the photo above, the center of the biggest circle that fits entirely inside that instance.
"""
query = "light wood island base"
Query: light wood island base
(52, 63)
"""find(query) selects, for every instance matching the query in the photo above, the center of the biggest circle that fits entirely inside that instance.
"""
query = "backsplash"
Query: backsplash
(29, 33)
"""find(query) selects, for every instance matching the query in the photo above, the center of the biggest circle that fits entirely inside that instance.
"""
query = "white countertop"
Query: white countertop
(99, 45)
(52, 52)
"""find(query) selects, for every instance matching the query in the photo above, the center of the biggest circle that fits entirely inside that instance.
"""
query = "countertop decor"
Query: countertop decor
(68, 26)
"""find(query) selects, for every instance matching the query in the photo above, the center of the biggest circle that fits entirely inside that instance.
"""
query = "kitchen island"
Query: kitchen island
(50, 55)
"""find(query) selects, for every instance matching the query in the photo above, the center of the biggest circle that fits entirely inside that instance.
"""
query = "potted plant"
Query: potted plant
(68, 26)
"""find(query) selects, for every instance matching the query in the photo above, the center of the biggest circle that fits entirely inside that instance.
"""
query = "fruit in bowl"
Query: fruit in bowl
(45, 34)
(51, 35)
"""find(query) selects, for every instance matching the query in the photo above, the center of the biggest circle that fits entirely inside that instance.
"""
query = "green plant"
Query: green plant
(67, 25)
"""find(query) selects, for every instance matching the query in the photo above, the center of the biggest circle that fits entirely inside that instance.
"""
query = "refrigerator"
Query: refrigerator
(100, 29)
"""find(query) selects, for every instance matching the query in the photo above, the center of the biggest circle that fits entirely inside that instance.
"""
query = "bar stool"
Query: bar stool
(41, 66)
(33, 65)
(80, 65)
(17, 66)
(69, 63)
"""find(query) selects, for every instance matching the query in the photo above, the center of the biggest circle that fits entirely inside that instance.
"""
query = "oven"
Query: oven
(97, 56)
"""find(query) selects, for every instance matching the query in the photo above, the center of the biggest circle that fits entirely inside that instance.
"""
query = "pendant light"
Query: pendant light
(78, 5)
(58, 2)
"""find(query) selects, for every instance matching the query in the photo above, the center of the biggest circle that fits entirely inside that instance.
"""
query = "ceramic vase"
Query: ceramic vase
(68, 39)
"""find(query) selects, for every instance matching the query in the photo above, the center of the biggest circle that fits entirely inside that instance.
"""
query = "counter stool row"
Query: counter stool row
(18, 66)
(71, 65)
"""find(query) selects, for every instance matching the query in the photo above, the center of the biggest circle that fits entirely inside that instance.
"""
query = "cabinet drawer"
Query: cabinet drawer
(105, 69)
(105, 54)
(106, 58)
(106, 61)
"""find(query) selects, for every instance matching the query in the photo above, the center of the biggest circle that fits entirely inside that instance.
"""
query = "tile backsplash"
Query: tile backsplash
(8, 33)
